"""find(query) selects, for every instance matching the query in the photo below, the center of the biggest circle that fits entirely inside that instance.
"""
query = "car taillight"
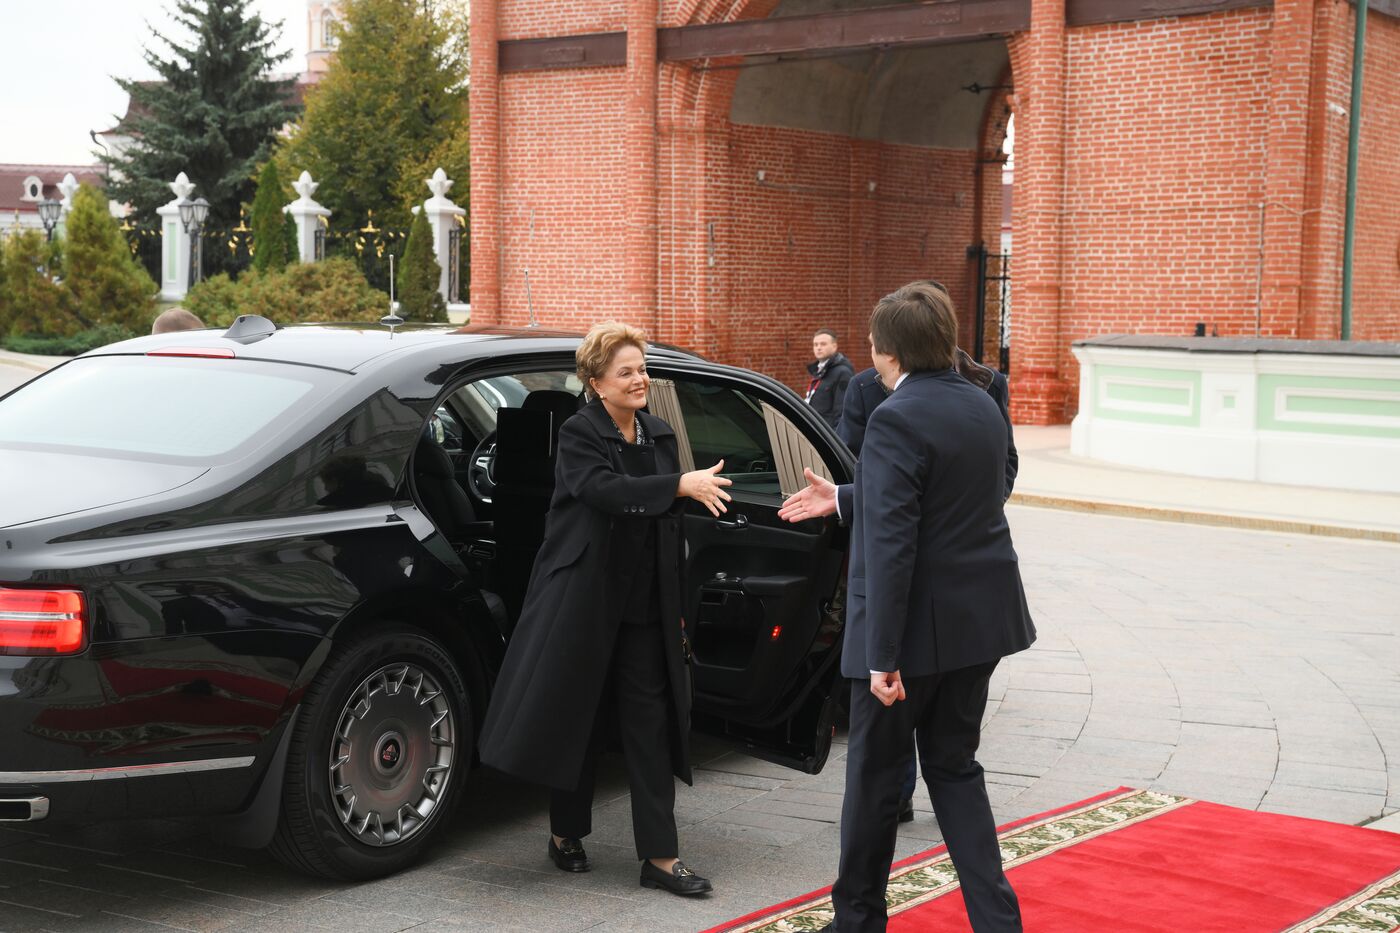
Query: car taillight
(41, 622)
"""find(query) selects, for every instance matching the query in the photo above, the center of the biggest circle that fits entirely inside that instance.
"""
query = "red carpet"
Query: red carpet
(1142, 862)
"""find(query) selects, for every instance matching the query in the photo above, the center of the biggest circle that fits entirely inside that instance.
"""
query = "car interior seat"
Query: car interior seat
(446, 503)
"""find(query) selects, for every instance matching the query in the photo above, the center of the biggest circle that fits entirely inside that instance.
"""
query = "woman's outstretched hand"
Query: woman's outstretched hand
(707, 488)
(814, 501)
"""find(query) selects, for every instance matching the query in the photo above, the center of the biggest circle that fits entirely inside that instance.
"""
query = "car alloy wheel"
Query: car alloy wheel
(391, 754)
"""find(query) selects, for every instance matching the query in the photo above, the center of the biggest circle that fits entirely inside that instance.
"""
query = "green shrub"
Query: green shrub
(108, 285)
(331, 290)
(33, 303)
(69, 346)
(215, 301)
(419, 274)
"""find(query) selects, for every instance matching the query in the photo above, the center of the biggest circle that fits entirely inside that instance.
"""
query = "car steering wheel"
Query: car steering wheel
(481, 469)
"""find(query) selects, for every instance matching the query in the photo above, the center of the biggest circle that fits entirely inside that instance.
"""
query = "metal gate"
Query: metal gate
(454, 264)
(993, 303)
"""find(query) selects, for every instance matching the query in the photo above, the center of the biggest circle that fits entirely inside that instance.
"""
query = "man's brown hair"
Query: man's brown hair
(916, 325)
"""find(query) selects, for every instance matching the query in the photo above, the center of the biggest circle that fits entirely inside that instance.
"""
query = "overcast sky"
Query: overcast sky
(59, 58)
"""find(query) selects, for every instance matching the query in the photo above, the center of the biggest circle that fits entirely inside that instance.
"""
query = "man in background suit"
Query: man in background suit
(831, 374)
(934, 602)
(864, 394)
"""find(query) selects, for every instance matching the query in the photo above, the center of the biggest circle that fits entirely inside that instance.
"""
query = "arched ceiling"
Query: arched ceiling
(911, 96)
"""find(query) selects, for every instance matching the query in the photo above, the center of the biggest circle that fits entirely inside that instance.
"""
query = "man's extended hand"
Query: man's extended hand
(887, 688)
(817, 500)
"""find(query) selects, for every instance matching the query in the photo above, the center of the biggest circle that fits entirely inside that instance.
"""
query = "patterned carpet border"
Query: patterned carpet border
(1376, 908)
(928, 875)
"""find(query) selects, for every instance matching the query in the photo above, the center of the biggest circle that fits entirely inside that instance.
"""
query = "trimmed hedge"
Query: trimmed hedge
(330, 290)
(69, 346)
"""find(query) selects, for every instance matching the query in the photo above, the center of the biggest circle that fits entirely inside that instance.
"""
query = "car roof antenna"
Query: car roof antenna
(250, 328)
(392, 319)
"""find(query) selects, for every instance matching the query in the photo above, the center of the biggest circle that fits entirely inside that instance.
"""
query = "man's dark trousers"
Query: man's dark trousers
(945, 710)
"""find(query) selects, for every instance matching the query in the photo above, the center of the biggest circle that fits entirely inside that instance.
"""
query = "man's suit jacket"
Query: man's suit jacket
(934, 583)
(866, 392)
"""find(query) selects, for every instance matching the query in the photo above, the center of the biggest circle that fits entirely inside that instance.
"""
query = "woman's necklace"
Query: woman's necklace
(637, 432)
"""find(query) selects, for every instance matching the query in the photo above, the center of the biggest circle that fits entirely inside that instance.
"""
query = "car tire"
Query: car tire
(379, 750)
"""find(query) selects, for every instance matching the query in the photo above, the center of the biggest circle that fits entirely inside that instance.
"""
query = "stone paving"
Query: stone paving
(1250, 668)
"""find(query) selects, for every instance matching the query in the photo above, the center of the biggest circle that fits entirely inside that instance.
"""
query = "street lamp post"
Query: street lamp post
(192, 217)
(49, 210)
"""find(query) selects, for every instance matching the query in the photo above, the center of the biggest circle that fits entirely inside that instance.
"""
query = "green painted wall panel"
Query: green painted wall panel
(1300, 403)
(1180, 388)
(1157, 395)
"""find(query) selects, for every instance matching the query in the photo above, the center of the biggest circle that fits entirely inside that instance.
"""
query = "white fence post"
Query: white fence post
(307, 213)
(442, 220)
(68, 187)
(175, 243)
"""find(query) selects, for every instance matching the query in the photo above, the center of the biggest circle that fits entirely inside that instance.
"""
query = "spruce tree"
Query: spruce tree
(34, 304)
(418, 295)
(107, 284)
(289, 239)
(395, 90)
(270, 246)
(213, 113)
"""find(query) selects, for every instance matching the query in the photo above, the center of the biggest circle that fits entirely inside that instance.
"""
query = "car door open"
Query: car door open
(763, 598)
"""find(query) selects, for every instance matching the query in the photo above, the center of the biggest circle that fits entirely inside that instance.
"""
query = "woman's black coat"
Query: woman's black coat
(542, 709)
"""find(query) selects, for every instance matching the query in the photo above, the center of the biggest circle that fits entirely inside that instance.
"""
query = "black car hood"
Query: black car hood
(36, 485)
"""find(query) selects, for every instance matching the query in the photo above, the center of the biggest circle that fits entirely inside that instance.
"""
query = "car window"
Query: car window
(161, 407)
(725, 424)
(764, 453)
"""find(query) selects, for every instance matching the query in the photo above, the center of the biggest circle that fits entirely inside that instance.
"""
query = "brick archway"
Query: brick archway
(753, 258)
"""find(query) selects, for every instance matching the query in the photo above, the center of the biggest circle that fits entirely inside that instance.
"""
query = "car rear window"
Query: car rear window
(158, 406)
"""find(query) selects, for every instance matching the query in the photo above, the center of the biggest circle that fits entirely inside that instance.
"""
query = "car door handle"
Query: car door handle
(737, 523)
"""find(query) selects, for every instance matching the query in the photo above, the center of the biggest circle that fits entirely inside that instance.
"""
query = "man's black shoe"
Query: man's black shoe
(906, 810)
(570, 856)
(679, 880)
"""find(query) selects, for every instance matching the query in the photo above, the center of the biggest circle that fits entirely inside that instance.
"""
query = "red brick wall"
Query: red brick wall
(537, 19)
(811, 245)
(1164, 175)
(562, 164)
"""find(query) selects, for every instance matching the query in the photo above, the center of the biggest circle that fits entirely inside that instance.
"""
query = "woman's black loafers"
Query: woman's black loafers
(570, 856)
(679, 880)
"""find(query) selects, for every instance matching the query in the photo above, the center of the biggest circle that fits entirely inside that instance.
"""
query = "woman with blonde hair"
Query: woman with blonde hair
(600, 641)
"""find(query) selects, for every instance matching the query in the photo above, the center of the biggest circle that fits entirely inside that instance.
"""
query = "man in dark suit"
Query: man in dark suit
(831, 374)
(864, 394)
(934, 602)
(866, 391)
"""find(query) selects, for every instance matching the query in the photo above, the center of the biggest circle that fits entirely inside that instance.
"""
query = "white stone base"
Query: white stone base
(1328, 420)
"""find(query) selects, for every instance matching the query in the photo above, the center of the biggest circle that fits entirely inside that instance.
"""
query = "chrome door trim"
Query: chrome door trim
(129, 771)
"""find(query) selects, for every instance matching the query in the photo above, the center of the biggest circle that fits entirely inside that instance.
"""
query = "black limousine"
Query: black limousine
(267, 575)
